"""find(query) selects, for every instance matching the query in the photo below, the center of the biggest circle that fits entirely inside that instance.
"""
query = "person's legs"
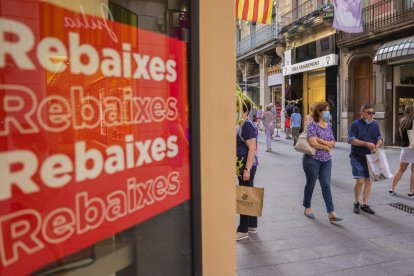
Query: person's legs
(359, 184)
(398, 174)
(412, 179)
(268, 138)
(325, 181)
(288, 133)
(367, 190)
(311, 169)
(359, 174)
(247, 221)
(252, 220)
(295, 134)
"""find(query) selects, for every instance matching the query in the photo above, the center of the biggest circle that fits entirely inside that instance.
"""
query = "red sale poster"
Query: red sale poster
(93, 133)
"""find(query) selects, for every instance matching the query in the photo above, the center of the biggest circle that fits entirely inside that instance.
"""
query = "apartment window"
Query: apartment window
(306, 52)
(325, 44)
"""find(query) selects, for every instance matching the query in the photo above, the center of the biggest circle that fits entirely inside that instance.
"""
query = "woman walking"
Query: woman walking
(407, 154)
(268, 121)
(319, 166)
(247, 158)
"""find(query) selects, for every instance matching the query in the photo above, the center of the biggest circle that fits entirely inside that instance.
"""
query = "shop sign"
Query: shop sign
(320, 62)
(93, 133)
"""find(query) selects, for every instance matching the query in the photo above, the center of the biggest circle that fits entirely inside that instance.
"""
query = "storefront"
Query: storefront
(311, 80)
(398, 57)
(100, 139)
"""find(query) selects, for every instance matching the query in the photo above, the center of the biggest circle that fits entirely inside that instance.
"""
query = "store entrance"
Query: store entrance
(405, 96)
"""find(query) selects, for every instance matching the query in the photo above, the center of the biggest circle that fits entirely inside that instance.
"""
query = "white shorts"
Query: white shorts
(407, 155)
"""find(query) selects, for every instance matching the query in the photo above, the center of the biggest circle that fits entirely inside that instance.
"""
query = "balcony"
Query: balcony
(379, 20)
(310, 13)
(262, 36)
(301, 11)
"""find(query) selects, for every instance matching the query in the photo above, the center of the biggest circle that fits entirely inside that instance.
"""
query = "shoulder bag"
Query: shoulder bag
(303, 145)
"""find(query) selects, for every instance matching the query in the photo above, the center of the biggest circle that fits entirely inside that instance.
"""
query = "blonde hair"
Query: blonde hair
(406, 122)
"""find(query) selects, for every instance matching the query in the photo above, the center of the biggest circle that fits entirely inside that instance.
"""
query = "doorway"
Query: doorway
(363, 92)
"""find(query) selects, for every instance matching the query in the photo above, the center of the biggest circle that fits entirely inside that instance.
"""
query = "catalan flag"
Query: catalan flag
(255, 10)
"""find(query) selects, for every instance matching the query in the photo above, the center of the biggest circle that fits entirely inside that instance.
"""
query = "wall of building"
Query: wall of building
(217, 88)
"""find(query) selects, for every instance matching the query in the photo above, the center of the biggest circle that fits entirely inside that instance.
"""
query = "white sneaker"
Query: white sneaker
(253, 230)
(241, 236)
(411, 195)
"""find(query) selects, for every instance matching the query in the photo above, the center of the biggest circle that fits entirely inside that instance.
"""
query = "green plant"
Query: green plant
(241, 98)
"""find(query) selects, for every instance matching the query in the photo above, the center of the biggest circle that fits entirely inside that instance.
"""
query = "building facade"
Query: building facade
(377, 66)
(296, 60)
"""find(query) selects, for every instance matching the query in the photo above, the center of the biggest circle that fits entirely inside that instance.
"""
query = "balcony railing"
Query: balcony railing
(380, 16)
(303, 10)
(260, 37)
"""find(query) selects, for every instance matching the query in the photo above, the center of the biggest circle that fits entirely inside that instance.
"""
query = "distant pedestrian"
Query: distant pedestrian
(365, 138)
(246, 156)
(295, 124)
(319, 166)
(259, 117)
(288, 112)
(268, 122)
(407, 154)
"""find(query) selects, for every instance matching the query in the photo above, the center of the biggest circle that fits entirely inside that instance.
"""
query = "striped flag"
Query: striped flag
(255, 10)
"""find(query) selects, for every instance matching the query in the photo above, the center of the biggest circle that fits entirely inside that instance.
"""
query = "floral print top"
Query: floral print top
(314, 130)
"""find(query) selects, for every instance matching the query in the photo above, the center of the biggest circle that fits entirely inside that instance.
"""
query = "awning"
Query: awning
(396, 51)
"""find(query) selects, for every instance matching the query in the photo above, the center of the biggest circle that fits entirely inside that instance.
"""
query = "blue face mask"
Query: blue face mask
(368, 121)
(326, 115)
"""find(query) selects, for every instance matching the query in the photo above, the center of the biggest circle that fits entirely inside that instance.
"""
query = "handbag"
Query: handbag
(378, 166)
(410, 134)
(303, 145)
(249, 200)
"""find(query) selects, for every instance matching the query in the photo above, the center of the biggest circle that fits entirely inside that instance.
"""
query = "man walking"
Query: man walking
(365, 138)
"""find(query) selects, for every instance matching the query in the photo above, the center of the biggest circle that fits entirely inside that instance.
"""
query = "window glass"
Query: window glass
(94, 137)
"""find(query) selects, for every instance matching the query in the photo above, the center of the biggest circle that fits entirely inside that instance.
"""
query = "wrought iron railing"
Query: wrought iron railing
(382, 15)
(260, 37)
(302, 10)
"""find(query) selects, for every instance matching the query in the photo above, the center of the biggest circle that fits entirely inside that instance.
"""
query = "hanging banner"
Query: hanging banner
(348, 16)
(93, 133)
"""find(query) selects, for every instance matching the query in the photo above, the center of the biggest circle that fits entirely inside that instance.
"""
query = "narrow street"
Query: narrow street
(288, 243)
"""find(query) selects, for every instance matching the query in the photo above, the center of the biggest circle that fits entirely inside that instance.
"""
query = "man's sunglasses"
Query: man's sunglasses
(370, 112)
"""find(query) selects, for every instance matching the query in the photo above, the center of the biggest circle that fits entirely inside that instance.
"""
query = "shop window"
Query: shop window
(407, 74)
(94, 138)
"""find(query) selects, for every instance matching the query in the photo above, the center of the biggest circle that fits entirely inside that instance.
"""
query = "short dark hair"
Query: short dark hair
(296, 109)
(246, 106)
(317, 109)
(365, 107)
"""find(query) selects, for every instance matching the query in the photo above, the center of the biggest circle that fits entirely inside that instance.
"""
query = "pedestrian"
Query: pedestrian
(407, 154)
(295, 123)
(319, 166)
(268, 122)
(365, 138)
(259, 116)
(248, 160)
(288, 112)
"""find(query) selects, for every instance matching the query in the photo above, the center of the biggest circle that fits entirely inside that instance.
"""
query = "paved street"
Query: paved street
(288, 243)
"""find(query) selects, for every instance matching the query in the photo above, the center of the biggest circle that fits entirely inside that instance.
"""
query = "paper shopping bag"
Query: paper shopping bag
(378, 166)
(249, 201)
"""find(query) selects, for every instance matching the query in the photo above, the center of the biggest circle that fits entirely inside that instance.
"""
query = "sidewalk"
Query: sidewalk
(288, 243)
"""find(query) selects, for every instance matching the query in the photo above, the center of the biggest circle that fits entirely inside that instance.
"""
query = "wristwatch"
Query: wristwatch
(246, 169)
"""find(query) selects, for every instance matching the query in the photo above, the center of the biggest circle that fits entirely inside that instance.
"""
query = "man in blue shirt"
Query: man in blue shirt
(365, 137)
